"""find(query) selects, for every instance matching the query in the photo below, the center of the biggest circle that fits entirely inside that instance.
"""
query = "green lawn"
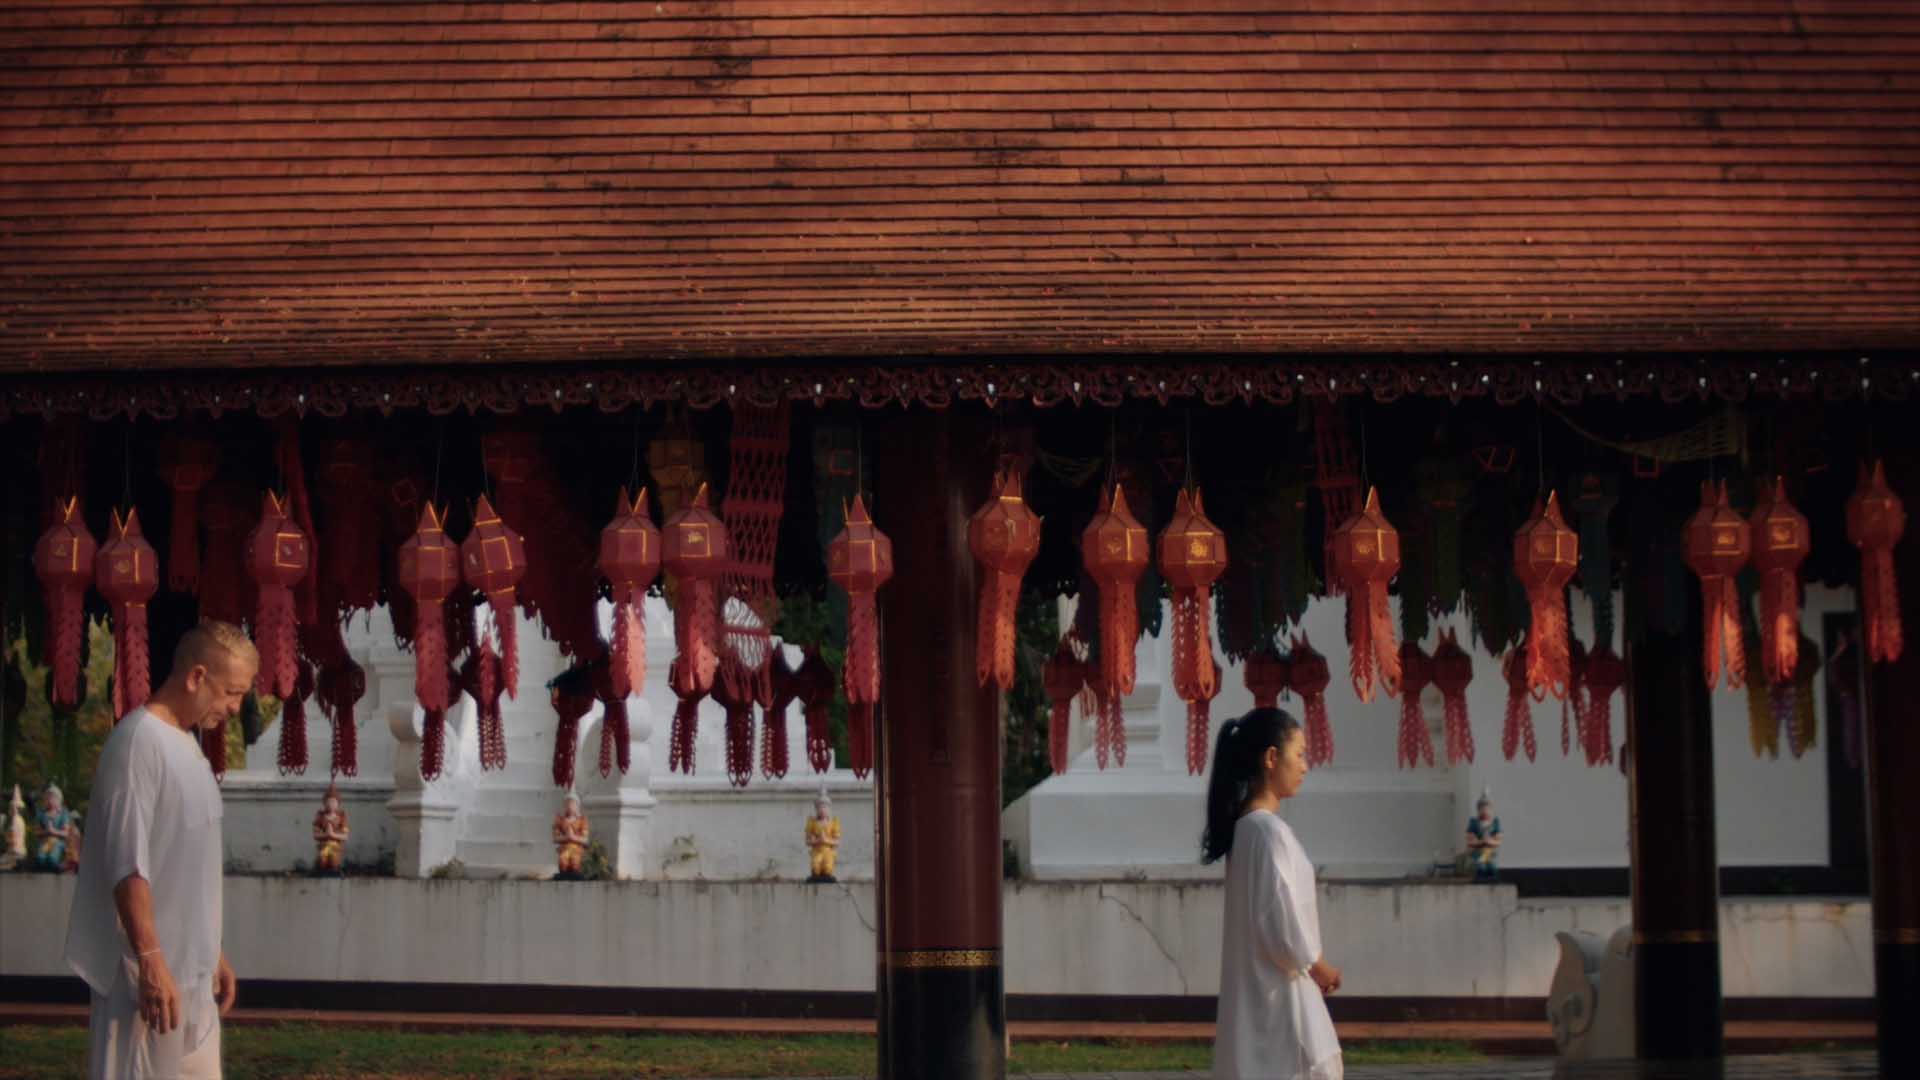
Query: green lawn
(309, 1052)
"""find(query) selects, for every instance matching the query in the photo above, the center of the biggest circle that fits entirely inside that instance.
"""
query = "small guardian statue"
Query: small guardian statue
(823, 839)
(329, 835)
(16, 852)
(1483, 839)
(56, 833)
(570, 836)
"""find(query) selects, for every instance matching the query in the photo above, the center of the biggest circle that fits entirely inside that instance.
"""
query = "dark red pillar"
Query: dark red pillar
(941, 997)
(1893, 800)
(1676, 875)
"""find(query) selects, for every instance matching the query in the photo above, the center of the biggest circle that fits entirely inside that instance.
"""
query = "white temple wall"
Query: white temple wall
(1125, 938)
(1365, 817)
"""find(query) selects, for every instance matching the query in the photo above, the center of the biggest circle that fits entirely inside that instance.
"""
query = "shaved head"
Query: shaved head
(214, 645)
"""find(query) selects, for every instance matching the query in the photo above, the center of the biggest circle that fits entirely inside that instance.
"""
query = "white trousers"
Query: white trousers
(120, 1045)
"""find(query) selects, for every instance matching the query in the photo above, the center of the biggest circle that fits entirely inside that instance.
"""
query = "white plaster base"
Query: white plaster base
(1114, 938)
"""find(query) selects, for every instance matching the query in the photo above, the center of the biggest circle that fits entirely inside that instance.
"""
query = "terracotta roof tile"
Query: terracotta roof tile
(230, 184)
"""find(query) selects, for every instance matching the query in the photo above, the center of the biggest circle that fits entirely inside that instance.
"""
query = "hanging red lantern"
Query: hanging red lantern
(277, 558)
(1115, 552)
(482, 677)
(616, 735)
(1519, 726)
(292, 756)
(1364, 555)
(630, 561)
(1545, 554)
(1605, 674)
(1064, 677)
(1452, 673)
(1416, 671)
(773, 719)
(860, 561)
(350, 568)
(429, 571)
(126, 570)
(187, 464)
(693, 548)
(686, 720)
(1266, 674)
(63, 560)
(816, 686)
(227, 512)
(572, 697)
(493, 559)
(1004, 537)
(1309, 676)
(1193, 555)
(735, 696)
(1718, 542)
(1780, 544)
(1875, 520)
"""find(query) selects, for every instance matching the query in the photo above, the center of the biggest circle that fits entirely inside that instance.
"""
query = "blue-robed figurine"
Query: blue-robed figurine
(1483, 839)
(54, 833)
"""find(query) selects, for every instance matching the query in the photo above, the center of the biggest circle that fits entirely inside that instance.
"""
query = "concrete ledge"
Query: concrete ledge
(1140, 941)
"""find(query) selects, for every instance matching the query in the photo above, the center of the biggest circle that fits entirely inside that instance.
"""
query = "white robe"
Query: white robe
(1273, 1022)
(155, 812)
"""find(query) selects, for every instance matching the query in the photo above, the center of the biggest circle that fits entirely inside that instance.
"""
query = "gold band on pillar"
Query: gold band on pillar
(1675, 937)
(1897, 935)
(944, 958)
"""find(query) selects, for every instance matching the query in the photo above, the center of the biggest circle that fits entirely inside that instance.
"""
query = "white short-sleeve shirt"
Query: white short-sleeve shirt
(156, 812)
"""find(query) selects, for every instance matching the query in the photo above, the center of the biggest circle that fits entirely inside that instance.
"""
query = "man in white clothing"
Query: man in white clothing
(145, 927)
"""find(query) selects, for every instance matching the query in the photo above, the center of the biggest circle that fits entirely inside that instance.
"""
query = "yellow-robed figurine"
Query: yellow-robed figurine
(329, 833)
(823, 839)
(570, 834)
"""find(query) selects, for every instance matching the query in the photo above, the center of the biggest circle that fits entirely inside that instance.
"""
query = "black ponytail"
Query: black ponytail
(1237, 753)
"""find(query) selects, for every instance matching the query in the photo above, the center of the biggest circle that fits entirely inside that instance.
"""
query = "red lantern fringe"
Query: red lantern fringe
(480, 677)
(1114, 550)
(629, 660)
(738, 702)
(1193, 555)
(615, 741)
(1876, 518)
(1519, 726)
(1064, 677)
(1605, 674)
(816, 698)
(686, 721)
(63, 558)
(860, 739)
(1453, 673)
(773, 718)
(292, 756)
(860, 561)
(433, 743)
(1309, 676)
(1416, 671)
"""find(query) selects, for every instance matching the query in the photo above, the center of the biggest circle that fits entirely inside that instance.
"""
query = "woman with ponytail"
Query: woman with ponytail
(1273, 1022)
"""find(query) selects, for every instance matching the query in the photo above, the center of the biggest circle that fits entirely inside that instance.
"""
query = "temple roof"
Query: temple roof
(228, 184)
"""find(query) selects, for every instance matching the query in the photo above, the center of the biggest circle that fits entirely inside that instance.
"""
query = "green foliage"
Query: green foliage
(451, 870)
(595, 866)
(58, 744)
